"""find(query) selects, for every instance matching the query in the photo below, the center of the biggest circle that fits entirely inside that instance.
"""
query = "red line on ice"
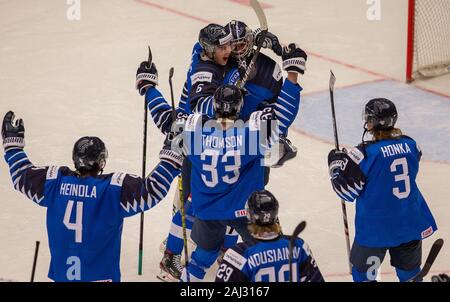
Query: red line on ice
(247, 3)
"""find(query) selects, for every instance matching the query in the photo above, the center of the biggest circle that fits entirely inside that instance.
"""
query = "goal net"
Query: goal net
(428, 38)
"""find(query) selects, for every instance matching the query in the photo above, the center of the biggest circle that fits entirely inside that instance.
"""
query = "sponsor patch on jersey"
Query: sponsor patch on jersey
(427, 232)
(240, 213)
(52, 172)
(117, 179)
(201, 76)
(277, 74)
(192, 121)
(235, 259)
(356, 155)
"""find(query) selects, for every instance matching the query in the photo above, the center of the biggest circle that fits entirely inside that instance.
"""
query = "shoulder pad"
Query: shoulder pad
(117, 178)
(193, 120)
(52, 172)
(356, 155)
(235, 258)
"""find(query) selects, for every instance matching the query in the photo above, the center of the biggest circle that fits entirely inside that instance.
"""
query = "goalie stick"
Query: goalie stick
(144, 158)
(336, 142)
(434, 252)
(263, 25)
(298, 229)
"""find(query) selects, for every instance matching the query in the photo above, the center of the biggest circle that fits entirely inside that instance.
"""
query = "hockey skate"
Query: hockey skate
(171, 267)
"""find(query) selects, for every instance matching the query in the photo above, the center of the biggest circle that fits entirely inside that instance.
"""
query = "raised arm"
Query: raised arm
(139, 194)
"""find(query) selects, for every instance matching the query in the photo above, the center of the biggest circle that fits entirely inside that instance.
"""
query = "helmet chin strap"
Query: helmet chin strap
(364, 133)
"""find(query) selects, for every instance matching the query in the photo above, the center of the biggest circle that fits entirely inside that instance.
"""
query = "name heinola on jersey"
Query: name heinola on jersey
(78, 190)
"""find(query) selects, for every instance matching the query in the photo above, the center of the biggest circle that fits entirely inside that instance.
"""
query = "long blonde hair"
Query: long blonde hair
(386, 134)
(261, 231)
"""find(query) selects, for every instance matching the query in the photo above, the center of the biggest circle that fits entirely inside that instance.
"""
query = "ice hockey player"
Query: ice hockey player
(226, 158)
(265, 258)
(391, 213)
(263, 90)
(85, 208)
(211, 54)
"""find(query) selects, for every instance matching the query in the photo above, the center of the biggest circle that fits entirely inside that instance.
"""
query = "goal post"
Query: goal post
(428, 46)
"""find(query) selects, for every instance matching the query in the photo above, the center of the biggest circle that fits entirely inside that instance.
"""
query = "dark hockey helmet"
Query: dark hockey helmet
(262, 208)
(89, 154)
(381, 113)
(212, 36)
(242, 42)
(228, 101)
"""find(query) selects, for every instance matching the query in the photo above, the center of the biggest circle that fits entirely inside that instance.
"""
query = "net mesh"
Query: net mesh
(431, 38)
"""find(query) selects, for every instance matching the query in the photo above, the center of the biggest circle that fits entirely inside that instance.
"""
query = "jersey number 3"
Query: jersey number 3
(401, 177)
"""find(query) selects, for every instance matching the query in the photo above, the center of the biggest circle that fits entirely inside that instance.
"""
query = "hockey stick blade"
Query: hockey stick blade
(260, 14)
(150, 58)
(432, 255)
(298, 229)
(332, 80)
(264, 28)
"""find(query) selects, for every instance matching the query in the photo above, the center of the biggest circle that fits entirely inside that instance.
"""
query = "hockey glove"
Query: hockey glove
(270, 41)
(13, 132)
(294, 59)
(172, 151)
(288, 151)
(346, 176)
(146, 77)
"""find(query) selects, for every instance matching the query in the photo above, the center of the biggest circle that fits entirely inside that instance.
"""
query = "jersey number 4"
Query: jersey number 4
(232, 168)
(401, 177)
(76, 226)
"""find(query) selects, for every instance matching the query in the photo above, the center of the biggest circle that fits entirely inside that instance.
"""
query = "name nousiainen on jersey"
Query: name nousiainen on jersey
(78, 190)
(272, 256)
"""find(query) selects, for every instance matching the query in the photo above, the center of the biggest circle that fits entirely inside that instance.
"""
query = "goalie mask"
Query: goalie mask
(89, 154)
(242, 42)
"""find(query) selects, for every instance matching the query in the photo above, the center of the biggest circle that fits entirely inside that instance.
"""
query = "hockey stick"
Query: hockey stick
(36, 251)
(180, 187)
(336, 142)
(263, 25)
(144, 158)
(298, 229)
(434, 252)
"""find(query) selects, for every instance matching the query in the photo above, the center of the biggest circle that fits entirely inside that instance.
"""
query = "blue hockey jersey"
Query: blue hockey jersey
(85, 214)
(390, 209)
(226, 164)
(268, 261)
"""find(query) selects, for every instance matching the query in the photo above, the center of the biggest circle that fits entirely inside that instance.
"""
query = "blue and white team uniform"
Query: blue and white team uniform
(266, 87)
(391, 212)
(268, 261)
(85, 214)
(227, 167)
